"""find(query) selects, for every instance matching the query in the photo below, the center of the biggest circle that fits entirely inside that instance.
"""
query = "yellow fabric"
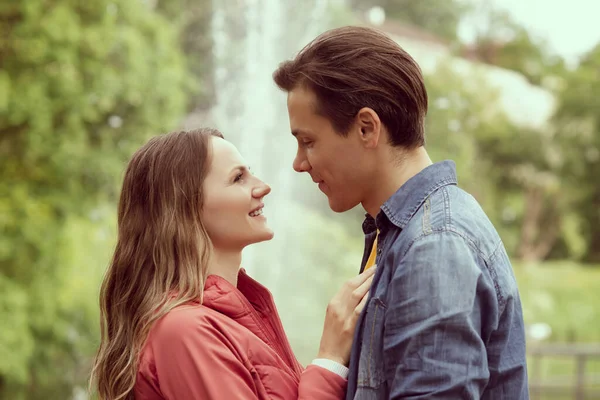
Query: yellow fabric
(373, 255)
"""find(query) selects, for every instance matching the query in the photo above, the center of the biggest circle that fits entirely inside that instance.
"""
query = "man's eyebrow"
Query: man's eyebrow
(297, 132)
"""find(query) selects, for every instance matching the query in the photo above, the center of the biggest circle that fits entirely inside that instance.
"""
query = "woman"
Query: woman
(180, 319)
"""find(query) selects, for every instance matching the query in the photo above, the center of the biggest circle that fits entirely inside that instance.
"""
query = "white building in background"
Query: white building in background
(525, 104)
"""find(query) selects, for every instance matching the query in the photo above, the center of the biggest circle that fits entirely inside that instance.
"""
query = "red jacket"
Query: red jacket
(231, 347)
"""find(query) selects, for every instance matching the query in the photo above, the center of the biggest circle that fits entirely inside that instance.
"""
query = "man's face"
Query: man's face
(334, 162)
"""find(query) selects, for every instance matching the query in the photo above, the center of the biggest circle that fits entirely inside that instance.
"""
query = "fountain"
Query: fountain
(251, 38)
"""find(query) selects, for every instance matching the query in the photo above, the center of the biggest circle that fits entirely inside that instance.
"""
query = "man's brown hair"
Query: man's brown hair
(354, 67)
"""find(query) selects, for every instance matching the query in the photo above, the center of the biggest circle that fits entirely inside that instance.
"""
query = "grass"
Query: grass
(566, 296)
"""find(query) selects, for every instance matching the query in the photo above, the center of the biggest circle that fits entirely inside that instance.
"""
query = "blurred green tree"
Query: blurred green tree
(507, 44)
(506, 167)
(193, 20)
(577, 133)
(438, 17)
(81, 85)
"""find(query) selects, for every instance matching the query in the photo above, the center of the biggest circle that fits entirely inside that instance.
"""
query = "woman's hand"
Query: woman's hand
(341, 317)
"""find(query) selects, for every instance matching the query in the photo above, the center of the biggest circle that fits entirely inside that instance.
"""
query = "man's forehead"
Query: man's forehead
(302, 97)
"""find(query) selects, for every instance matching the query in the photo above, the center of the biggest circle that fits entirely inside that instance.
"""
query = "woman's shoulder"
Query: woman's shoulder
(184, 338)
(191, 319)
(191, 330)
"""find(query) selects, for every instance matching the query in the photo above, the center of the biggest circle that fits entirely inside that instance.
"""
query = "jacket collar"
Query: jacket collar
(251, 305)
(237, 302)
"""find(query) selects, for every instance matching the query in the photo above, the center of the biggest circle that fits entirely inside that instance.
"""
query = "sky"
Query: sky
(571, 27)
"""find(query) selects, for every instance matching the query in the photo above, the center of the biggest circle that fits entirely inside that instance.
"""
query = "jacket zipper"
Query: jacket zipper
(270, 332)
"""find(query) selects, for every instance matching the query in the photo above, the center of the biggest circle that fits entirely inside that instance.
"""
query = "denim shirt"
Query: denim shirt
(444, 317)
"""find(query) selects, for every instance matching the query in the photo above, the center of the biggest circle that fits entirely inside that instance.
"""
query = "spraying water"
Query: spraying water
(304, 264)
(251, 38)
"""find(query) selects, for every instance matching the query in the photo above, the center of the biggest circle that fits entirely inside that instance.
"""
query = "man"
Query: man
(444, 318)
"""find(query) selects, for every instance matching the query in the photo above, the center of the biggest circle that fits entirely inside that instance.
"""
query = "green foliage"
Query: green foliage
(577, 132)
(14, 347)
(81, 85)
(465, 124)
(509, 45)
(192, 19)
(510, 170)
(438, 17)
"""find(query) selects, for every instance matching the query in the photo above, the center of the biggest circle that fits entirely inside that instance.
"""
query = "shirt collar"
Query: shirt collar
(403, 204)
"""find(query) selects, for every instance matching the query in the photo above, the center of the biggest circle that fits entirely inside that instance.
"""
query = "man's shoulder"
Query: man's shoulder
(452, 210)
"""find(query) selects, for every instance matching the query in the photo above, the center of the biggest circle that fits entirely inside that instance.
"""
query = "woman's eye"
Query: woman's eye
(238, 177)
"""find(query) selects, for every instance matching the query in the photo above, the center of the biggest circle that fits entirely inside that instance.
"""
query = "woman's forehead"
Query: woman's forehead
(225, 155)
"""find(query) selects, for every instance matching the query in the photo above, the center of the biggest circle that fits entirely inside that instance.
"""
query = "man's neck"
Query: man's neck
(396, 170)
(226, 264)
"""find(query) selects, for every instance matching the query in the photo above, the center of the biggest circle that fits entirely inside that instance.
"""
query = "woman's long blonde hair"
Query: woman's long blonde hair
(161, 256)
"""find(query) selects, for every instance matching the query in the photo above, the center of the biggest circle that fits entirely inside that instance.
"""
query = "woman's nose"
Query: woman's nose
(261, 190)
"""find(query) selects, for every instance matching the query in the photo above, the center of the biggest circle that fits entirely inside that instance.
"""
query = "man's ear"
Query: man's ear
(370, 127)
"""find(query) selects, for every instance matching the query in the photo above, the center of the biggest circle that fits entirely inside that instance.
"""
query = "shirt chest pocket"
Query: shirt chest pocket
(370, 366)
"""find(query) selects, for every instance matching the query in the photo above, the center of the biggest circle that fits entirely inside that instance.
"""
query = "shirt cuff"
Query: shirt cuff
(332, 366)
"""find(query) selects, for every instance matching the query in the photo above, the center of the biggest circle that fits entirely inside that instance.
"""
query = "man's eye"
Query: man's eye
(307, 143)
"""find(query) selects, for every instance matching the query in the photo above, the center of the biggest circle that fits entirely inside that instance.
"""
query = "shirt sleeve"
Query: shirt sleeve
(332, 366)
(195, 360)
(432, 342)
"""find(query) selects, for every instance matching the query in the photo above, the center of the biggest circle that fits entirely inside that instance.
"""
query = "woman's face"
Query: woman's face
(233, 207)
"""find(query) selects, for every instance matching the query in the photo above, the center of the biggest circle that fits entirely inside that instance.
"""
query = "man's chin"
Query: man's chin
(341, 206)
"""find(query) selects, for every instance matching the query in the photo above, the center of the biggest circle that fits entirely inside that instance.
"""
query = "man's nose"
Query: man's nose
(301, 164)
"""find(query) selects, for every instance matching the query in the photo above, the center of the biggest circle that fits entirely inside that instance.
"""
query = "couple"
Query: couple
(439, 317)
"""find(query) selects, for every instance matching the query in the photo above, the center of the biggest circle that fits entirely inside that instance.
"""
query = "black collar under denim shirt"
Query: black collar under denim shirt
(405, 202)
